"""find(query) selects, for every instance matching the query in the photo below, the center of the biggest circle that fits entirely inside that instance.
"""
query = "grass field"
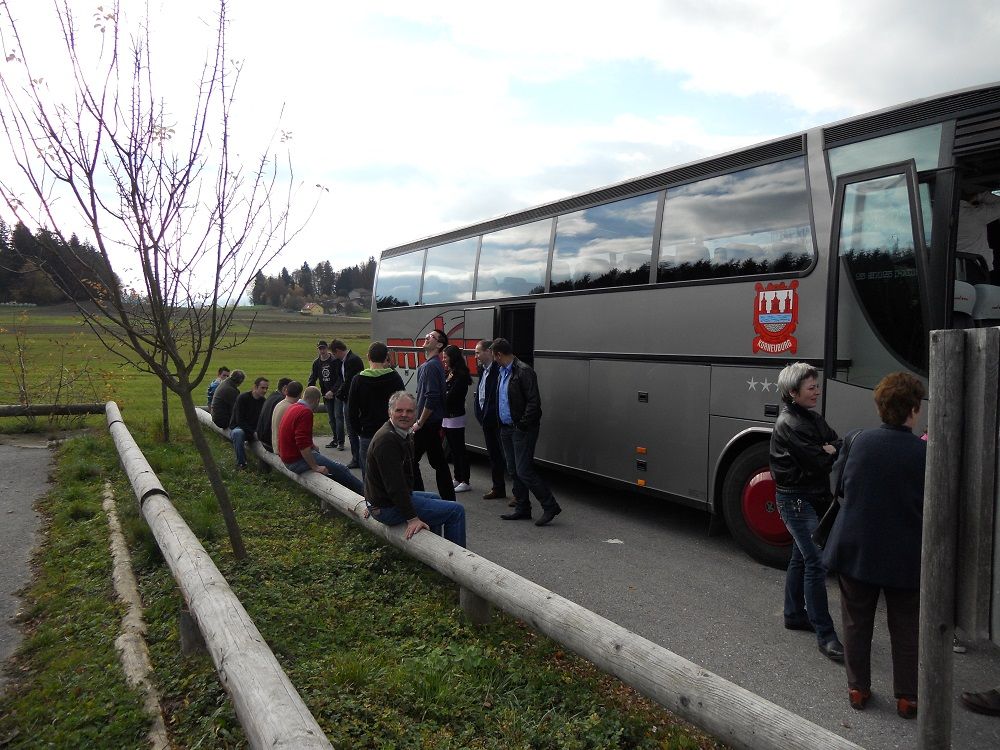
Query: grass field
(375, 642)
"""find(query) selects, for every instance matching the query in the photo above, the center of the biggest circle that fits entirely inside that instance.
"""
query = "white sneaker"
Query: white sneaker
(463, 487)
(455, 483)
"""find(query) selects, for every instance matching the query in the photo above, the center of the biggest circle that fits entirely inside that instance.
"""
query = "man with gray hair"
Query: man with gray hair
(389, 479)
(224, 399)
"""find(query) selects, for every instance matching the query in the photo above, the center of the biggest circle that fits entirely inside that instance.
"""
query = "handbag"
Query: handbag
(825, 526)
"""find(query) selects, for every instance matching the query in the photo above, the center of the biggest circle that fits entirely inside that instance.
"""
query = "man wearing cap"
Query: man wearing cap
(326, 374)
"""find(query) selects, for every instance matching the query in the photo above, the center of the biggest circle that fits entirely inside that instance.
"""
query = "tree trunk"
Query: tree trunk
(214, 475)
(163, 402)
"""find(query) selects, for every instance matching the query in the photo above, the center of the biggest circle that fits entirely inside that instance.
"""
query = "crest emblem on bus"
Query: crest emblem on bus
(775, 317)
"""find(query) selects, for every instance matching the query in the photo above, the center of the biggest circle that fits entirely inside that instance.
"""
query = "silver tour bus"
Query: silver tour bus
(658, 311)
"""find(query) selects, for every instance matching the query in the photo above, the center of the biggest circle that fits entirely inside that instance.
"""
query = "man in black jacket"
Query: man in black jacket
(246, 414)
(520, 410)
(485, 404)
(224, 399)
(326, 375)
(350, 366)
(368, 399)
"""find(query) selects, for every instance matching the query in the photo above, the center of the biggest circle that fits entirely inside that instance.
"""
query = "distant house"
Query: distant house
(311, 308)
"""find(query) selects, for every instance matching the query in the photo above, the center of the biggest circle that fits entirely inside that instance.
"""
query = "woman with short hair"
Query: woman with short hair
(803, 450)
(457, 387)
(874, 545)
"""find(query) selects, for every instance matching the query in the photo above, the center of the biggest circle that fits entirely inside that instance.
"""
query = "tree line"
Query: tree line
(319, 284)
(43, 268)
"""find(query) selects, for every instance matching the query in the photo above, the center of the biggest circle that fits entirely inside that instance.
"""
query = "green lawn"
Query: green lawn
(375, 642)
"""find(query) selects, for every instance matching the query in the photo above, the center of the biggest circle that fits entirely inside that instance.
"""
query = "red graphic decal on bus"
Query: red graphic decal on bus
(409, 353)
(775, 317)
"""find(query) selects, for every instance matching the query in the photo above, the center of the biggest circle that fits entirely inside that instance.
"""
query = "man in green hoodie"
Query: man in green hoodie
(368, 399)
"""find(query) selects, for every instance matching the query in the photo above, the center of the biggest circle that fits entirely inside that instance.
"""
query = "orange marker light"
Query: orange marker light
(641, 482)
(640, 450)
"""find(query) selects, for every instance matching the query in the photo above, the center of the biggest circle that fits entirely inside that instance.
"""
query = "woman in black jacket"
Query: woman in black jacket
(456, 388)
(874, 546)
(803, 449)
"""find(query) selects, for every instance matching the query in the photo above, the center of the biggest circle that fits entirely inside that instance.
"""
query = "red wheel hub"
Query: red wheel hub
(760, 511)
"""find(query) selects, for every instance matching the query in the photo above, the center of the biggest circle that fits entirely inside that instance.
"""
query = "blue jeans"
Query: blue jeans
(805, 581)
(331, 415)
(238, 436)
(519, 455)
(445, 517)
(363, 444)
(338, 472)
(340, 420)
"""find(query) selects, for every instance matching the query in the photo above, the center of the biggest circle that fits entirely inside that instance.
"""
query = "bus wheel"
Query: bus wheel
(750, 510)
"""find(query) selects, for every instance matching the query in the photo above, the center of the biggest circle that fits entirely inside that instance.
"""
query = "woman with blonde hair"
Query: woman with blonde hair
(803, 449)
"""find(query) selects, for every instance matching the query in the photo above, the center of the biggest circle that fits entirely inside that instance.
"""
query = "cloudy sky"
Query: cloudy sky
(418, 117)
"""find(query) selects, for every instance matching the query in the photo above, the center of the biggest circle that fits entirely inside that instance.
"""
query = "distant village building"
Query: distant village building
(311, 308)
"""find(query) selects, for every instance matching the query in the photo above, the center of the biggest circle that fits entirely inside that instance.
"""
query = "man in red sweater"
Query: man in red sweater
(296, 448)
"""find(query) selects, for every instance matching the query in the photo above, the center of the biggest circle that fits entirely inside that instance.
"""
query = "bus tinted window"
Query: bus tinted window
(398, 283)
(609, 245)
(877, 250)
(922, 144)
(741, 224)
(512, 261)
(448, 275)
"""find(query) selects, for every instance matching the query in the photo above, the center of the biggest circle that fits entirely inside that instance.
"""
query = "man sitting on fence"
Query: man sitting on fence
(223, 373)
(246, 413)
(296, 447)
(264, 433)
(389, 479)
(225, 399)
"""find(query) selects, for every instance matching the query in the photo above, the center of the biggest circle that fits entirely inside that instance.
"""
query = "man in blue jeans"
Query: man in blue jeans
(295, 442)
(389, 479)
(520, 411)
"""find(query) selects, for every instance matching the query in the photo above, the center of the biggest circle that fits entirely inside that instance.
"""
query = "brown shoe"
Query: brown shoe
(986, 702)
(906, 708)
(494, 494)
(858, 698)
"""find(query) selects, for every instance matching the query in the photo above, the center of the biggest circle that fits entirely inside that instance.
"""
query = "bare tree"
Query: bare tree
(197, 220)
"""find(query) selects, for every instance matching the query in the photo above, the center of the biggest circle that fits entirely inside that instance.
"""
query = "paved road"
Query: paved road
(24, 470)
(651, 567)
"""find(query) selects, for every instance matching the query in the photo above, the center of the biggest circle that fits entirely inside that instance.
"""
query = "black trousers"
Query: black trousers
(498, 467)
(858, 601)
(428, 440)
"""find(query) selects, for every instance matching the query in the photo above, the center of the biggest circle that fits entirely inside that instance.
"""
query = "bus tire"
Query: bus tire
(749, 507)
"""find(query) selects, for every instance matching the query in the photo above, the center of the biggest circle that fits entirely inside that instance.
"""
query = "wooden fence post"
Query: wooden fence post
(940, 538)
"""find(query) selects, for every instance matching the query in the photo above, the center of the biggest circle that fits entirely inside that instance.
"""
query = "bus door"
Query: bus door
(877, 305)
(517, 325)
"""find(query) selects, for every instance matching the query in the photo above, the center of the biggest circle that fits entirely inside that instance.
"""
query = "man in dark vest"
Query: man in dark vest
(489, 417)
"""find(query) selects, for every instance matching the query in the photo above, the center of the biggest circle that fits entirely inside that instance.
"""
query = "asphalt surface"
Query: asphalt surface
(25, 465)
(651, 567)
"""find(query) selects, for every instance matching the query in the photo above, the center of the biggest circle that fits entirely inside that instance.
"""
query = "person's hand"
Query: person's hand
(414, 525)
(416, 426)
(322, 470)
(829, 449)
(328, 395)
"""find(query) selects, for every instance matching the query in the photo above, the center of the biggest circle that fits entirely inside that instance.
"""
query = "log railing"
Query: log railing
(734, 715)
(269, 708)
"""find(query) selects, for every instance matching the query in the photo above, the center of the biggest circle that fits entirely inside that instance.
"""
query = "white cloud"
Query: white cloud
(407, 112)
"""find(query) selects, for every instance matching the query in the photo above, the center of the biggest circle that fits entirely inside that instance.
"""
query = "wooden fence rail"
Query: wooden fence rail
(734, 715)
(269, 708)
(44, 410)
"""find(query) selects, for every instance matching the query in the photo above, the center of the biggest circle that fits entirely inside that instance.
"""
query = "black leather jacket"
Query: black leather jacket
(798, 462)
(525, 401)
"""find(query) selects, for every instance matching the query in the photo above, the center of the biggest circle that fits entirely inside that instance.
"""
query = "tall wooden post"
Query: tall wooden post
(940, 538)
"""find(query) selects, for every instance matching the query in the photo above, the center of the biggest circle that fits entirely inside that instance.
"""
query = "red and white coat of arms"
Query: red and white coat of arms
(775, 317)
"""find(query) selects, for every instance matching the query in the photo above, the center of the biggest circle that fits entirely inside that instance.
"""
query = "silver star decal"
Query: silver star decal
(767, 385)
(752, 384)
